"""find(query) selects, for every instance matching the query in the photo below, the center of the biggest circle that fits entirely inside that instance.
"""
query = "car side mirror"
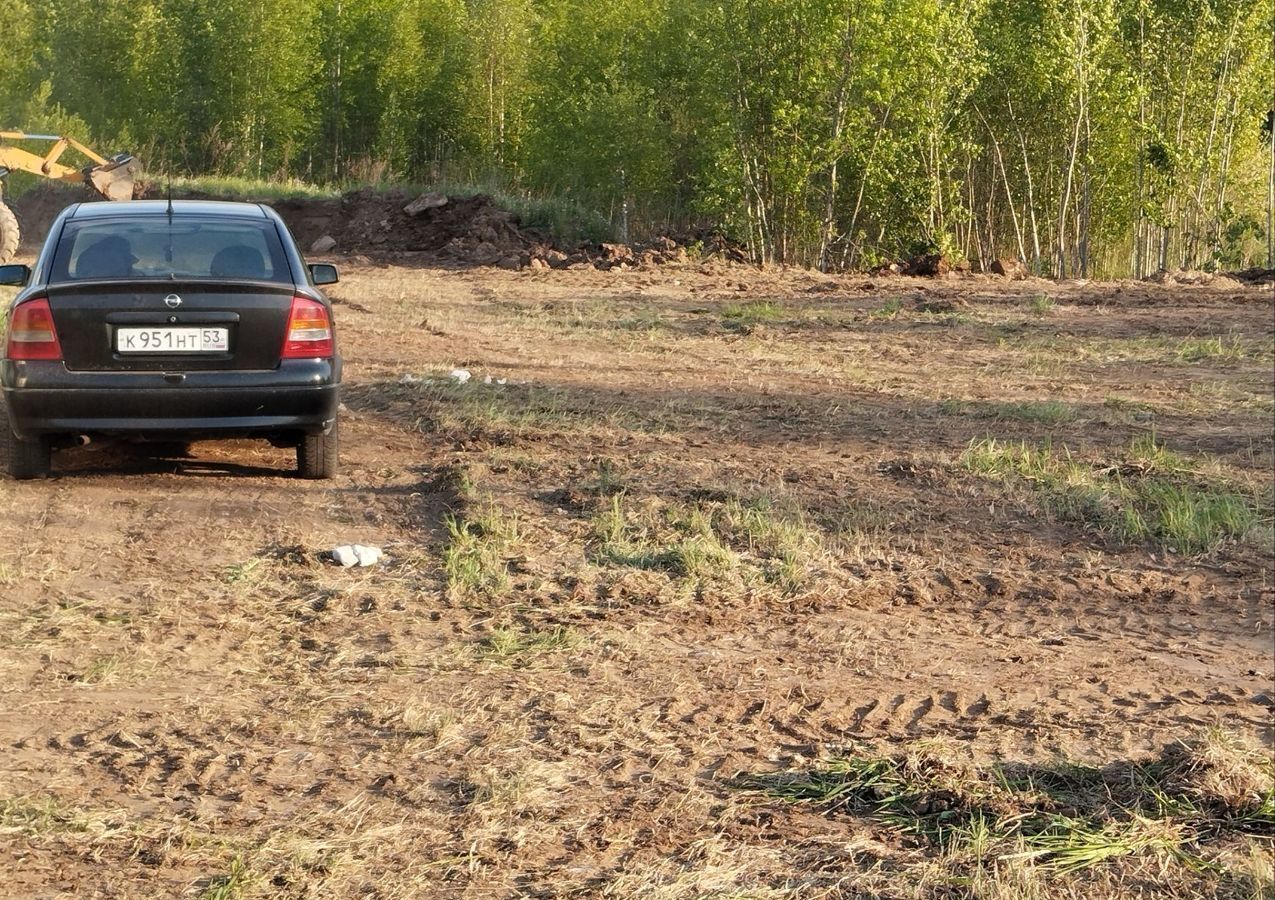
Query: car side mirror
(16, 275)
(320, 273)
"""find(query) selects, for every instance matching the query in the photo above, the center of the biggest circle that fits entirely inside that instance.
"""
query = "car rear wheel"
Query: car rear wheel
(22, 460)
(317, 454)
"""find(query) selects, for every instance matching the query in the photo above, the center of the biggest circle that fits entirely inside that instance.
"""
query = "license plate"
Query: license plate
(172, 340)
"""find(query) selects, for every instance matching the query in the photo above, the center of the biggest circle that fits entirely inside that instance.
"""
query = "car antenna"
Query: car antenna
(170, 198)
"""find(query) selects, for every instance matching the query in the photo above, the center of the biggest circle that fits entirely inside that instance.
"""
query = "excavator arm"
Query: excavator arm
(112, 178)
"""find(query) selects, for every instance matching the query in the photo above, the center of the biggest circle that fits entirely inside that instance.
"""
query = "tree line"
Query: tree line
(1084, 137)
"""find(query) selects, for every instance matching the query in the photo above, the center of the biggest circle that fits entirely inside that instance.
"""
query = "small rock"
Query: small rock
(460, 376)
(323, 244)
(538, 264)
(512, 263)
(349, 555)
(425, 202)
(485, 254)
(1007, 267)
(616, 252)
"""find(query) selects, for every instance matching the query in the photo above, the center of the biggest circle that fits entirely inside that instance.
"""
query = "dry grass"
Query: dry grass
(713, 522)
(1183, 811)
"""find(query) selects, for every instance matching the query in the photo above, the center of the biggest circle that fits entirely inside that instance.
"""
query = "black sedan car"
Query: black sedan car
(161, 321)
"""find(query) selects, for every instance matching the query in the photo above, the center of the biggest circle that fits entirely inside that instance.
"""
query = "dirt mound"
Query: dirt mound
(1194, 277)
(38, 207)
(934, 265)
(1255, 275)
(1008, 267)
(472, 230)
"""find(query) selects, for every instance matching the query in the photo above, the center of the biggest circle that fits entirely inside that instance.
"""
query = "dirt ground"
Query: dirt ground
(513, 704)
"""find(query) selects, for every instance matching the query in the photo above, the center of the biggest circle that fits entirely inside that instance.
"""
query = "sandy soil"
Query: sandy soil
(195, 703)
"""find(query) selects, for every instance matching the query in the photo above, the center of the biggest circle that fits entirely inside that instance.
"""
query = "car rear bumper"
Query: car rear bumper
(44, 398)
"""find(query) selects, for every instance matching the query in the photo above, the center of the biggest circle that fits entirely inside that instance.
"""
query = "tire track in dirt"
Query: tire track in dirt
(1021, 667)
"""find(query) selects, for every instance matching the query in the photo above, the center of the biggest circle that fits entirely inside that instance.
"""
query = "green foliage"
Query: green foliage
(1083, 136)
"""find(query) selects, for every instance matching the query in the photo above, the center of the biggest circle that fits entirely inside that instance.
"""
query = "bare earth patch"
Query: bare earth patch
(679, 604)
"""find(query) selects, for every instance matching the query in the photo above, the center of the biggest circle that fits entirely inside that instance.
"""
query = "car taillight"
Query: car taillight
(309, 330)
(31, 332)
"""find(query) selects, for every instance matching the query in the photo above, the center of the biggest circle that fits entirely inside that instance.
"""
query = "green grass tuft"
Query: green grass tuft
(888, 310)
(510, 644)
(1061, 818)
(747, 316)
(683, 544)
(1153, 494)
(38, 817)
(232, 885)
(1219, 347)
(1041, 305)
(474, 558)
(229, 187)
(783, 539)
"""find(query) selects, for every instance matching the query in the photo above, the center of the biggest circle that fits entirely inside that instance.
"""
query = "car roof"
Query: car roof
(200, 208)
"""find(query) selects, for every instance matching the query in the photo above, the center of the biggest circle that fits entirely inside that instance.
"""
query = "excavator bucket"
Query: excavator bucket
(114, 180)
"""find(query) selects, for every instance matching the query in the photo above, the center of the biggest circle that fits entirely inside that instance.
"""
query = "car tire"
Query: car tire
(22, 460)
(8, 234)
(318, 454)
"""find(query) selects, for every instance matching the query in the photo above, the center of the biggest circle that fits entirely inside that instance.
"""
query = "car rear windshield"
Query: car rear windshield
(156, 248)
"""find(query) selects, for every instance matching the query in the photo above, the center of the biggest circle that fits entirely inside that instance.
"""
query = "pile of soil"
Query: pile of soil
(1254, 276)
(37, 208)
(1194, 277)
(471, 230)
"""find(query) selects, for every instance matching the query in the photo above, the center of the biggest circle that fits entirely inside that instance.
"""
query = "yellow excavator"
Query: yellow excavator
(112, 179)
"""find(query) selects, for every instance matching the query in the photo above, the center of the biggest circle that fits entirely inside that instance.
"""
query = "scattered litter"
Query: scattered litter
(409, 378)
(356, 555)
(460, 376)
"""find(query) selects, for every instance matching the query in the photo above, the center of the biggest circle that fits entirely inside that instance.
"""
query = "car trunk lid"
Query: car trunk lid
(203, 325)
